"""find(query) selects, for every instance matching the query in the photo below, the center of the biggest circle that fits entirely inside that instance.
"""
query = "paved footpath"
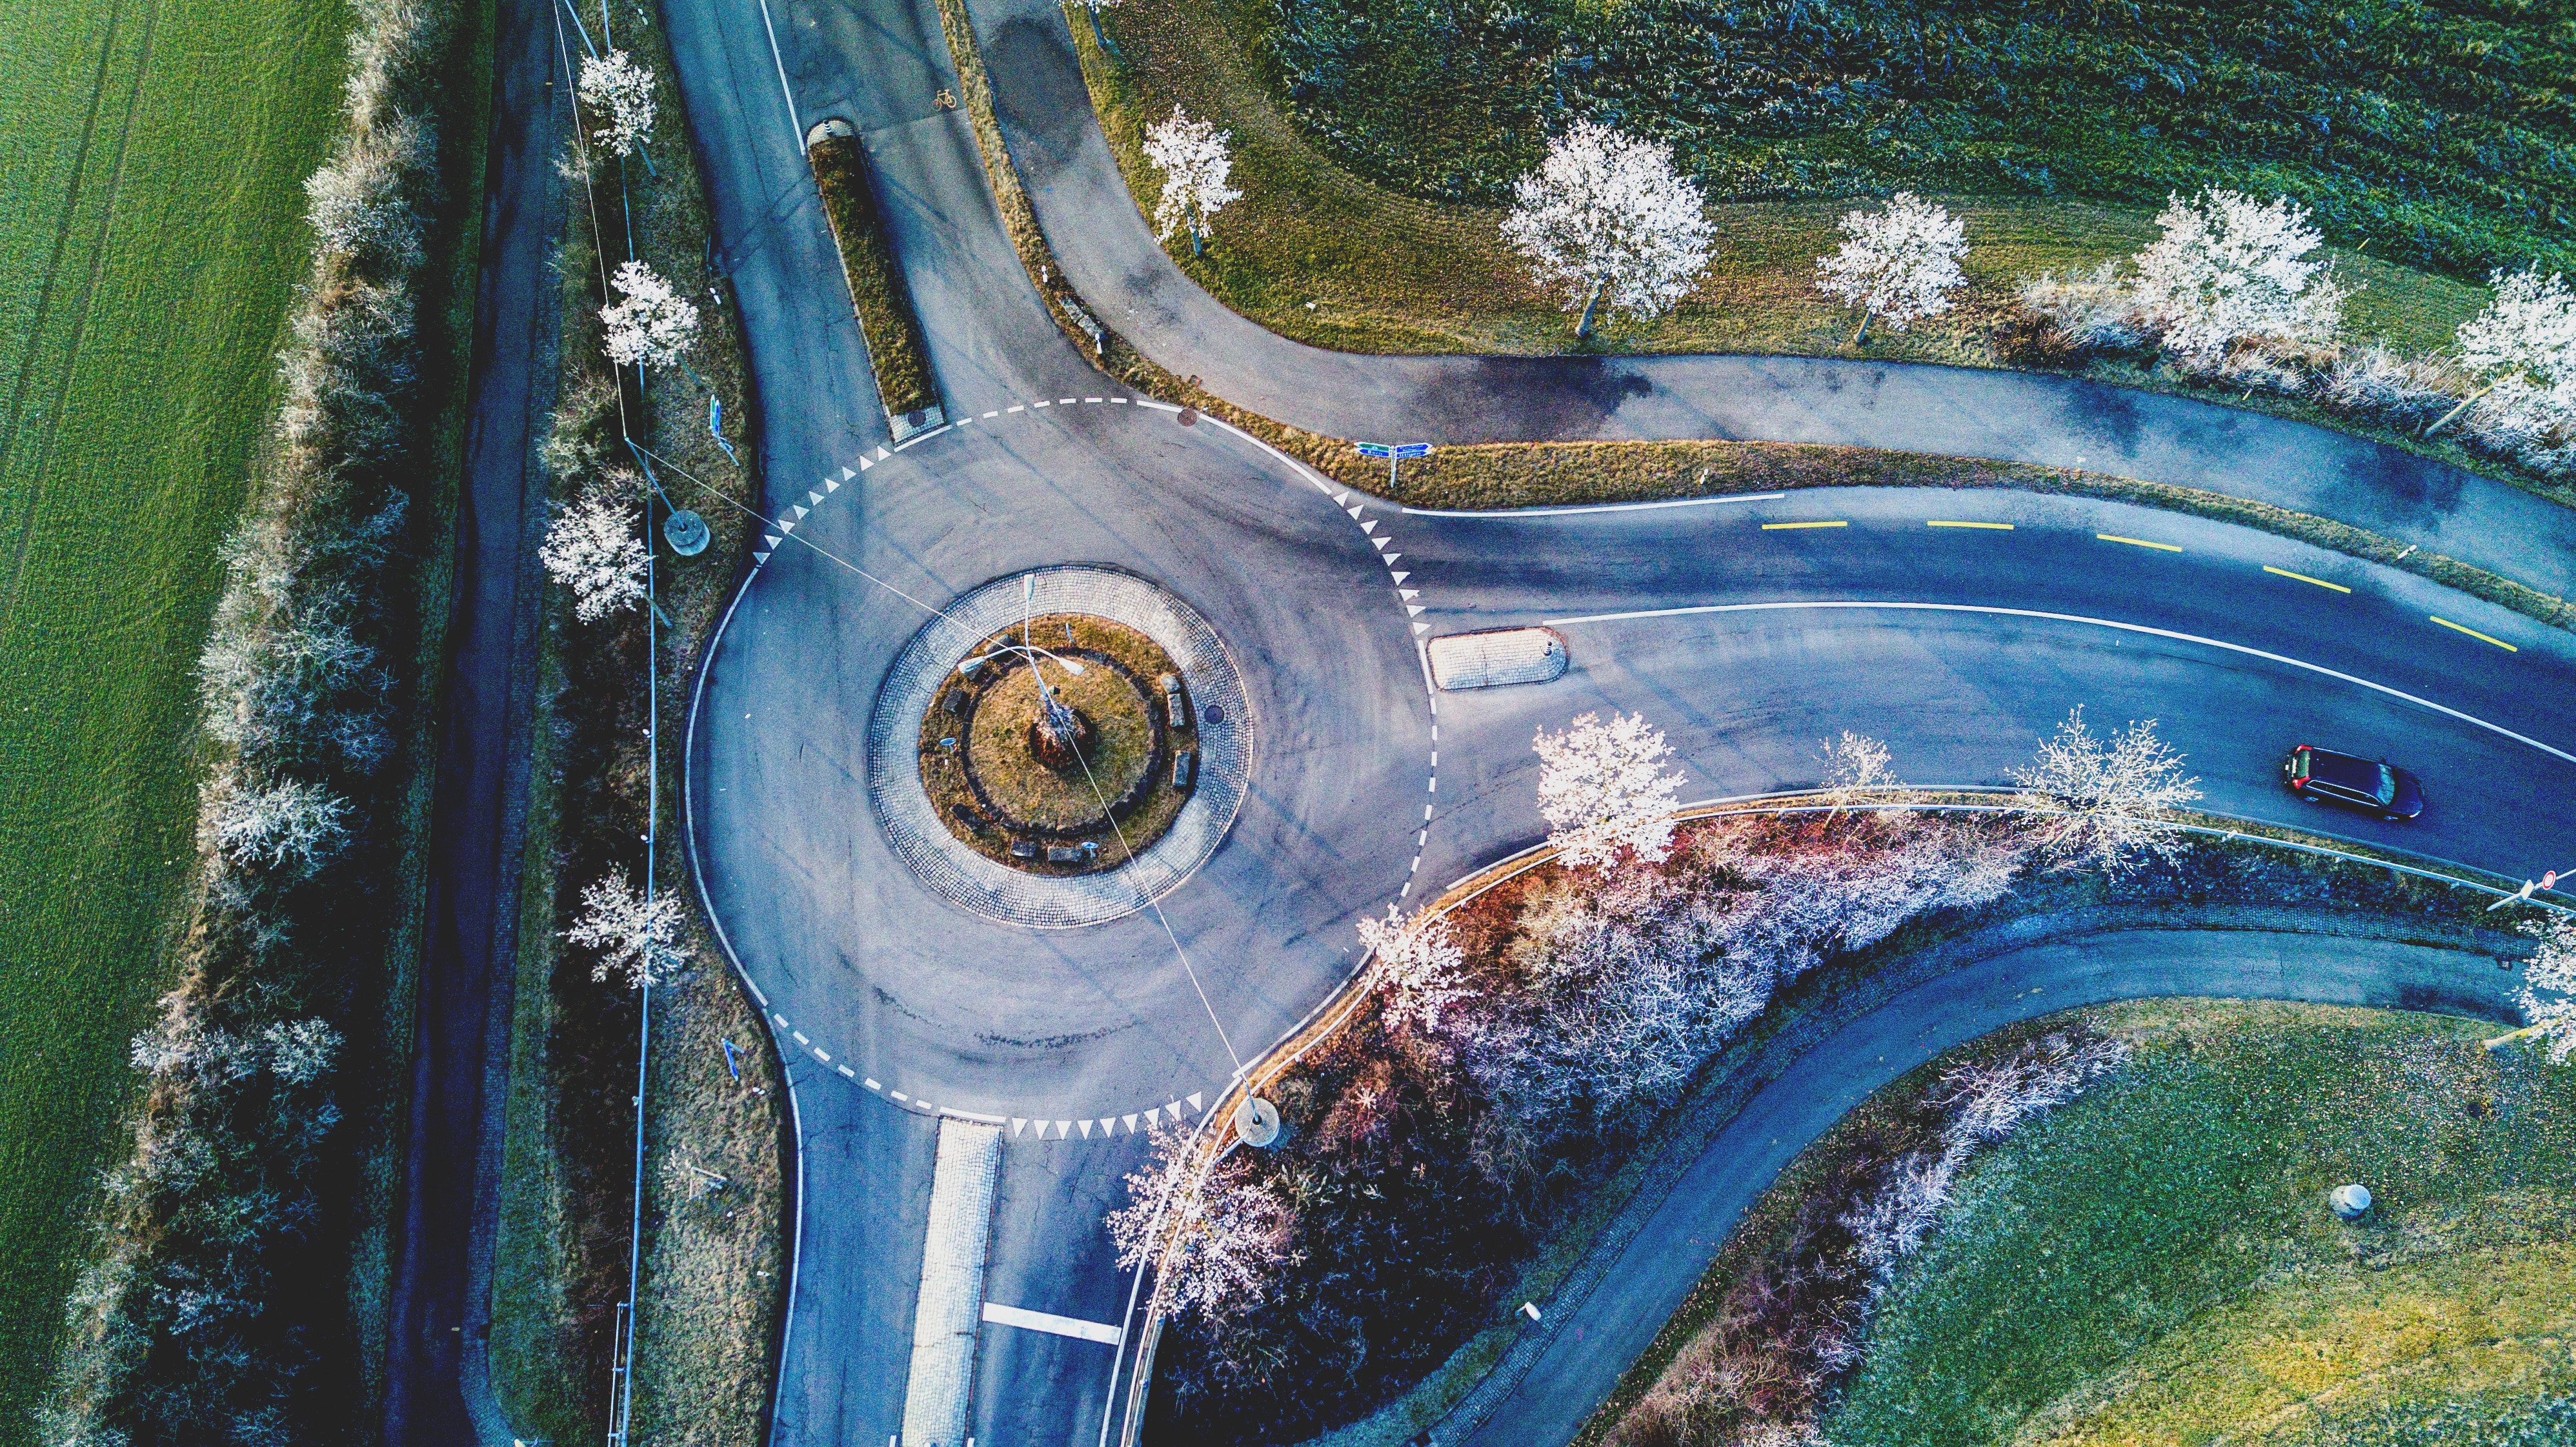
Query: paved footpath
(1112, 257)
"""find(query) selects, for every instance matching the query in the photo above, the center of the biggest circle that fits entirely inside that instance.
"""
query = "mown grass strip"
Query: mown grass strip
(896, 351)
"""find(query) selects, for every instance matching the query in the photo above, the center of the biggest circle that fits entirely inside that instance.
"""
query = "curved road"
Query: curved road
(1360, 790)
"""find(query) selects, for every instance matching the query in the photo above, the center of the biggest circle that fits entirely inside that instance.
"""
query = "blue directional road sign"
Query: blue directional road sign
(1394, 449)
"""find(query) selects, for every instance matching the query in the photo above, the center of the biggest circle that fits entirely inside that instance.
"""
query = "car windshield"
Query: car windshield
(2387, 785)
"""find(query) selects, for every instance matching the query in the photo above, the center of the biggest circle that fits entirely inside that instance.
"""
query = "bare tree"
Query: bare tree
(1215, 1233)
(621, 93)
(2231, 269)
(2548, 996)
(1900, 263)
(1419, 963)
(650, 325)
(1194, 161)
(1603, 790)
(292, 826)
(637, 939)
(2525, 340)
(595, 547)
(1855, 767)
(2098, 802)
(1606, 220)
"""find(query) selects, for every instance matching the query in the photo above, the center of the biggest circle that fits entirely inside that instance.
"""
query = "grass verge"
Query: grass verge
(712, 1275)
(2155, 1264)
(896, 352)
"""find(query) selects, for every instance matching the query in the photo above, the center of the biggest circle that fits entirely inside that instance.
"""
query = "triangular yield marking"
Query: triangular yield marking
(1409, 594)
(1400, 577)
(1412, 610)
(1355, 512)
(1086, 1130)
(1131, 1123)
(815, 498)
(1194, 1101)
(846, 474)
(866, 462)
(830, 486)
(787, 525)
(1063, 1128)
(773, 538)
(1370, 526)
(882, 454)
(1381, 542)
(1175, 1109)
(1108, 1126)
(1421, 628)
(1153, 1115)
(1019, 1123)
(1390, 558)
(760, 557)
(1344, 499)
(801, 509)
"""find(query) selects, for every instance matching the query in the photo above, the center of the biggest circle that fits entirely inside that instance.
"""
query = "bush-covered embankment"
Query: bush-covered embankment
(235, 1288)
(896, 351)
(1453, 1148)
(714, 1201)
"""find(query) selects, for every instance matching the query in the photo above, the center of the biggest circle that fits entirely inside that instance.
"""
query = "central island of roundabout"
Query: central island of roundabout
(1060, 748)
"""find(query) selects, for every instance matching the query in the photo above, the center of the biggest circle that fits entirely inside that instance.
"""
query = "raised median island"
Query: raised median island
(896, 351)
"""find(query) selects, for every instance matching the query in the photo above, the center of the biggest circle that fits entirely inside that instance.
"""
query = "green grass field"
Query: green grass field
(152, 236)
(2154, 1264)
(1317, 251)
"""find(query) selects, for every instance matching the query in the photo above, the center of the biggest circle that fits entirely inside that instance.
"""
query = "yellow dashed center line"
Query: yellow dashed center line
(1998, 527)
(2473, 633)
(1776, 527)
(2304, 578)
(2138, 542)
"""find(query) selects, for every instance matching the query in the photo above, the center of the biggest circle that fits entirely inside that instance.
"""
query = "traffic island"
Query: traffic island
(878, 296)
(1079, 818)
(1064, 746)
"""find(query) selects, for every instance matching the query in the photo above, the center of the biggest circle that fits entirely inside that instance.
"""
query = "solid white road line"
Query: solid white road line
(2283, 659)
(1102, 1332)
(1549, 512)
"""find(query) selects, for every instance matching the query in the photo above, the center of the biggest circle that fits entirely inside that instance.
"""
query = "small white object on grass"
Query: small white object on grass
(2350, 1201)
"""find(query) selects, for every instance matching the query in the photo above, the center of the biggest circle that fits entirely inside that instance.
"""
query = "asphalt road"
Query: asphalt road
(863, 969)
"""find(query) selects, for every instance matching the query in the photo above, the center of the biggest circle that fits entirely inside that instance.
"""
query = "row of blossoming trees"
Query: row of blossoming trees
(2232, 290)
(1511, 1049)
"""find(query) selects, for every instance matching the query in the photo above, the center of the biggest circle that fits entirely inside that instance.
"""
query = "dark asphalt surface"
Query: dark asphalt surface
(438, 1304)
(856, 961)
(1666, 1258)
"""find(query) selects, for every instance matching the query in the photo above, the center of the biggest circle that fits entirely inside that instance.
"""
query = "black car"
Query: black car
(2376, 785)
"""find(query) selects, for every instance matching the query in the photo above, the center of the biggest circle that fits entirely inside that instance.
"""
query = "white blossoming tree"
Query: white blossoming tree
(1855, 764)
(620, 93)
(1605, 220)
(290, 826)
(1603, 790)
(1420, 964)
(596, 548)
(650, 325)
(1900, 263)
(2525, 340)
(2097, 801)
(637, 939)
(1217, 1233)
(1194, 161)
(2548, 996)
(2231, 269)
